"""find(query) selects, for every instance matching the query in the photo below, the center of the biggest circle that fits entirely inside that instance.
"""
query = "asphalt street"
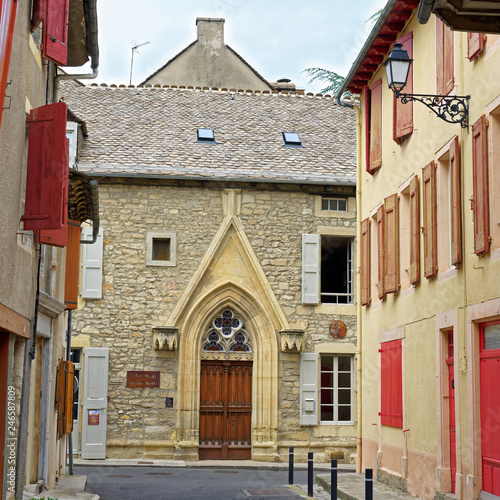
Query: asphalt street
(184, 483)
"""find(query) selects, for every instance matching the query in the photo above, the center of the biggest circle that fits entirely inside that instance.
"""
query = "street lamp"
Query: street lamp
(451, 109)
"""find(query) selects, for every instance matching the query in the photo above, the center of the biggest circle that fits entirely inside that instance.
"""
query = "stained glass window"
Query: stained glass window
(227, 334)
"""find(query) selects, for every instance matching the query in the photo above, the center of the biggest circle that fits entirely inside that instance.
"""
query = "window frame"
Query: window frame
(335, 199)
(335, 388)
(150, 237)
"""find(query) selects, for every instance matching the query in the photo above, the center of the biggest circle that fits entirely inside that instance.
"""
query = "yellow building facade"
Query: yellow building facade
(429, 262)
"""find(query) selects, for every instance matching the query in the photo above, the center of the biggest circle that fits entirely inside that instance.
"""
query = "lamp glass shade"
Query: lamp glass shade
(397, 67)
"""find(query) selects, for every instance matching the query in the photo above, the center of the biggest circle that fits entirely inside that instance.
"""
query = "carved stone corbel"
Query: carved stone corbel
(292, 340)
(165, 338)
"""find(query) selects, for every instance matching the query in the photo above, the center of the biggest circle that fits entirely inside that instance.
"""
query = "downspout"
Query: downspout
(425, 10)
(359, 307)
(92, 47)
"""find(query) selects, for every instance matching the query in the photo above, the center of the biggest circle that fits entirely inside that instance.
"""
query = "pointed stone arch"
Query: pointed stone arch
(248, 293)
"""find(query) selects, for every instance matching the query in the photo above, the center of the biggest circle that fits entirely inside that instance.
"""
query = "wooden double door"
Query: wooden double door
(226, 410)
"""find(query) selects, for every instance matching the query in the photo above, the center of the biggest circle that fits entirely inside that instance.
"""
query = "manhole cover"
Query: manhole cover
(158, 474)
(118, 475)
(226, 471)
(282, 492)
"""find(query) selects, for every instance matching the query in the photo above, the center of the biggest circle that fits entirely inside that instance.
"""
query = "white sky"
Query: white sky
(279, 39)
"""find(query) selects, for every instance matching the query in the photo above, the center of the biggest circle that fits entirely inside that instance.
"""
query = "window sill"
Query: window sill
(336, 309)
(448, 274)
(160, 263)
(336, 423)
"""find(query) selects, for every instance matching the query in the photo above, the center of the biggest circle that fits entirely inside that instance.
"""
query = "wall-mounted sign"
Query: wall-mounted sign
(169, 403)
(93, 418)
(338, 329)
(143, 379)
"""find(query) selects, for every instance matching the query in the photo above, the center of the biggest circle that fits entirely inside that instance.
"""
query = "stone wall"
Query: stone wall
(137, 297)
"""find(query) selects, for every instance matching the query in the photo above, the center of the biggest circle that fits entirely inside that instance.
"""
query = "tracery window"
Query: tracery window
(227, 334)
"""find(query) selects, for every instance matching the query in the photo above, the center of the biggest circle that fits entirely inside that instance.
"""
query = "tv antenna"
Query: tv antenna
(135, 46)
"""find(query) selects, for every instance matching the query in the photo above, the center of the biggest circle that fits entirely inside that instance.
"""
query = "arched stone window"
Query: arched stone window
(226, 334)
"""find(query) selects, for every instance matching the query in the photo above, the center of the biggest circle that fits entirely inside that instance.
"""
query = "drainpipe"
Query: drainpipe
(92, 45)
(359, 307)
(425, 10)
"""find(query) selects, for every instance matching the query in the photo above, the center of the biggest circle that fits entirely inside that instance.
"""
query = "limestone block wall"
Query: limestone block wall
(137, 297)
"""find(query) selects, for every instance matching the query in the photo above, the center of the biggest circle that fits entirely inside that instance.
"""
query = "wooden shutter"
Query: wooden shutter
(47, 172)
(455, 204)
(376, 125)
(444, 59)
(38, 13)
(55, 32)
(475, 45)
(68, 396)
(365, 262)
(8, 11)
(391, 378)
(391, 246)
(72, 266)
(366, 95)
(381, 252)
(480, 187)
(403, 113)
(60, 399)
(92, 265)
(309, 375)
(430, 220)
(415, 232)
(311, 249)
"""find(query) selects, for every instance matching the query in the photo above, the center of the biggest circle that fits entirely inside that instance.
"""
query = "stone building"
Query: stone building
(223, 297)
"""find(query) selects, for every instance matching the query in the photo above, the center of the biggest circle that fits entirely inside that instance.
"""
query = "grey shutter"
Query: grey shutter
(310, 268)
(309, 375)
(92, 266)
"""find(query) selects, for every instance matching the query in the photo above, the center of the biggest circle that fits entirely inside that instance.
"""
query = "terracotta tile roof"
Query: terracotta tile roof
(151, 131)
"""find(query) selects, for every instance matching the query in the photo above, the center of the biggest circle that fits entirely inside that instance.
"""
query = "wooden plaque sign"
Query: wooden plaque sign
(338, 329)
(143, 379)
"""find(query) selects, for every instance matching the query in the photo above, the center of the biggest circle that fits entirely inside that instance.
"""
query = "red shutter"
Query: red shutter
(430, 220)
(72, 266)
(367, 127)
(476, 45)
(55, 32)
(391, 379)
(415, 232)
(455, 202)
(381, 252)
(391, 280)
(444, 59)
(403, 113)
(39, 13)
(46, 180)
(8, 10)
(376, 125)
(480, 186)
(365, 262)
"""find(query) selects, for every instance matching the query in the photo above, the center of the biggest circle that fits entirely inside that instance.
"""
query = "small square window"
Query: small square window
(206, 135)
(292, 139)
(160, 249)
(334, 204)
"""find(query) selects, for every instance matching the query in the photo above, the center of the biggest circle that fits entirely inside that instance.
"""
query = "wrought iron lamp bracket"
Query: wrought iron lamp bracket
(450, 108)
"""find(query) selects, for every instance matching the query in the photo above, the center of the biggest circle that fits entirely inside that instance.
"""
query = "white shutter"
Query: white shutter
(309, 374)
(310, 268)
(92, 266)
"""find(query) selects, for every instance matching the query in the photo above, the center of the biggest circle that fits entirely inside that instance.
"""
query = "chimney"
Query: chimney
(210, 32)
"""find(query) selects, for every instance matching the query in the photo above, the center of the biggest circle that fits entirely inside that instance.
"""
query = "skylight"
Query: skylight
(206, 135)
(292, 139)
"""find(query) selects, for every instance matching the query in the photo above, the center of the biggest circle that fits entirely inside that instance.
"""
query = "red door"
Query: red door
(490, 406)
(451, 392)
(225, 410)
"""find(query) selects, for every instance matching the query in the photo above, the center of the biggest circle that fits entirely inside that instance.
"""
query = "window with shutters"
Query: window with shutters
(336, 389)
(374, 262)
(403, 113)
(92, 265)
(429, 224)
(380, 252)
(161, 249)
(8, 10)
(449, 244)
(391, 379)
(475, 45)
(55, 14)
(494, 147)
(327, 269)
(391, 244)
(480, 205)
(445, 79)
(373, 126)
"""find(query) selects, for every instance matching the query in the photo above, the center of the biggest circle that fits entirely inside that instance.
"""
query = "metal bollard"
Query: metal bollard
(333, 479)
(310, 491)
(290, 465)
(368, 484)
